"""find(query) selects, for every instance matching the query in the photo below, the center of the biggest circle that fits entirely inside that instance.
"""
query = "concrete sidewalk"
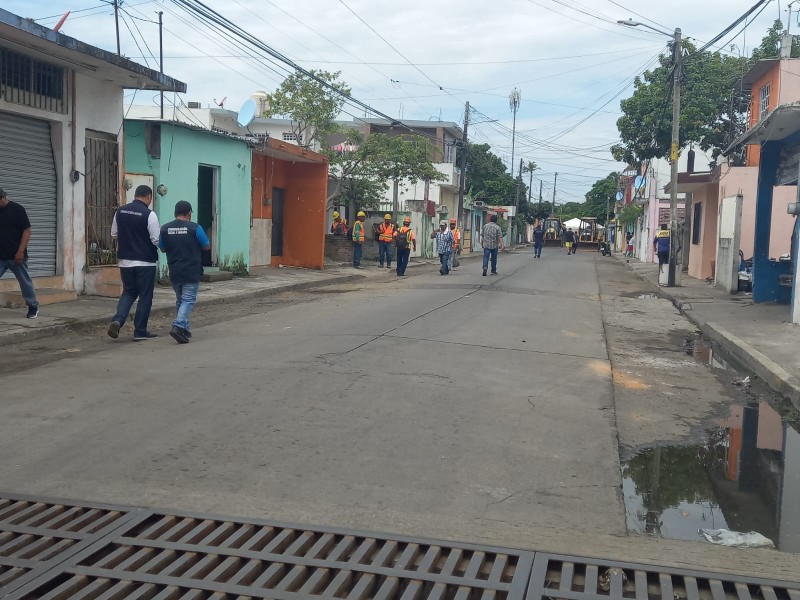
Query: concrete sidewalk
(758, 336)
(94, 310)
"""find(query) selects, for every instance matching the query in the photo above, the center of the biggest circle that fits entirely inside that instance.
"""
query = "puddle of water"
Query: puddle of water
(708, 355)
(647, 297)
(744, 477)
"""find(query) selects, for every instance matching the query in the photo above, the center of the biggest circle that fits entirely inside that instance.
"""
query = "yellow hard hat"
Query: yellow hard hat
(361, 213)
(336, 214)
(387, 216)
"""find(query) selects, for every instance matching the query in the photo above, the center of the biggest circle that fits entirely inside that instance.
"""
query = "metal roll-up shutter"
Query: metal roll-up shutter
(28, 175)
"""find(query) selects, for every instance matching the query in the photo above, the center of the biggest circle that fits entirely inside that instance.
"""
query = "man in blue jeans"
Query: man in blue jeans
(136, 229)
(15, 232)
(183, 242)
(492, 241)
(444, 246)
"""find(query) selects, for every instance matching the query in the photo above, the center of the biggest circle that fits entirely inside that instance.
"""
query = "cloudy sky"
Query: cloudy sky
(422, 59)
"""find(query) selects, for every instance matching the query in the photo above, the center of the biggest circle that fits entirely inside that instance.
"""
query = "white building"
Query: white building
(61, 114)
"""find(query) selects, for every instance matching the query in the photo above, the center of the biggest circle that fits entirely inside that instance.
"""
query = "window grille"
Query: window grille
(289, 137)
(30, 82)
(763, 102)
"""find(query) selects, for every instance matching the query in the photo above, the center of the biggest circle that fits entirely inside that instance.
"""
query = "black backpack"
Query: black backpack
(402, 239)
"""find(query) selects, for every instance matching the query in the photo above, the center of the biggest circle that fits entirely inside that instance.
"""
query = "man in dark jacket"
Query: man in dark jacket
(136, 229)
(15, 232)
(538, 240)
(183, 241)
(661, 246)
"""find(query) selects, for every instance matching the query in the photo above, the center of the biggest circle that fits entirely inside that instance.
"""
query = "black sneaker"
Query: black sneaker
(186, 332)
(113, 329)
(33, 312)
(494, 272)
(146, 336)
(484, 272)
(178, 334)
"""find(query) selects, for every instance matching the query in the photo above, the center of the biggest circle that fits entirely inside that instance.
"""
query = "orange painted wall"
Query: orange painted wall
(305, 186)
(773, 77)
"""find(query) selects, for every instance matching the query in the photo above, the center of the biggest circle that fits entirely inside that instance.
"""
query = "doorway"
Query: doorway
(277, 221)
(207, 178)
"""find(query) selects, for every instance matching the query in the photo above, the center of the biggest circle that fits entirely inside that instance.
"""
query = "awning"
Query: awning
(778, 125)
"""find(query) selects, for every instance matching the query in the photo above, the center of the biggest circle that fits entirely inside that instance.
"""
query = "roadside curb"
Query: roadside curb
(52, 330)
(763, 367)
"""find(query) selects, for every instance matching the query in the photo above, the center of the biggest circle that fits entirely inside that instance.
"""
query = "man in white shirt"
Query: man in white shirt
(136, 229)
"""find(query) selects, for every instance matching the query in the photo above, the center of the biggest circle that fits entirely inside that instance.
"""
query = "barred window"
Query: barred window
(24, 80)
(763, 108)
(289, 137)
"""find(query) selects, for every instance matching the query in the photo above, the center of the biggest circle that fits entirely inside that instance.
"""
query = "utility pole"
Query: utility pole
(462, 183)
(511, 240)
(116, 23)
(674, 154)
(541, 183)
(514, 99)
(555, 182)
(161, 54)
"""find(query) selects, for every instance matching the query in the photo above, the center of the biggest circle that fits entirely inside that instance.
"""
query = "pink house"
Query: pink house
(772, 83)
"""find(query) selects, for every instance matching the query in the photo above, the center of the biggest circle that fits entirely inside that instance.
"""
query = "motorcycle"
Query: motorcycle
(605, 249)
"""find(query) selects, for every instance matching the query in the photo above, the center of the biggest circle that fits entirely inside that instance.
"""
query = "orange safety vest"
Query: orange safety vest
(386, 232)
(456, 237)
(335, 226)
(358, 232)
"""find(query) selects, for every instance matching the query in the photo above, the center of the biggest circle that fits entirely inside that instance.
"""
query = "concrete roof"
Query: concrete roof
(757, 71)
(287, 151)
(26, 36)
(451, 127)
(692, 182)
(779, 124)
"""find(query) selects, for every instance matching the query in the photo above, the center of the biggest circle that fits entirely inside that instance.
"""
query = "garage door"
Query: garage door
(28, 175)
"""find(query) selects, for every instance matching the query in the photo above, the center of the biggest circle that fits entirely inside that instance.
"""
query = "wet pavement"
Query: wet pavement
(744, 475)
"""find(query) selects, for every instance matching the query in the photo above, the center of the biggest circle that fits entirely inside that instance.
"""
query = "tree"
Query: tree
(770, 46)
(311, 106)
(600, 198)
(487, 177)
(713, 107)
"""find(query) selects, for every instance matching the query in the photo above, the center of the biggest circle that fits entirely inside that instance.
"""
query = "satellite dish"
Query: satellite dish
(639, 182)
(620, 196)
(247, 113)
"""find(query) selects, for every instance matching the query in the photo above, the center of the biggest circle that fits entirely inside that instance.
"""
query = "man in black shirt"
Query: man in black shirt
(538, 240)
(15, 232)
(183, 241)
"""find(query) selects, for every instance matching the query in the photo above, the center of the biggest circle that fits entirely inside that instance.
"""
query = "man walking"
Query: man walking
(359, 237)
(491, 241)
(15, 232)
(456, 243)
(136, 229)
(183, 242)
(444, 246)
(405, 240)
(569, 240)
(386, 232)
(661, 246)
(538, 240)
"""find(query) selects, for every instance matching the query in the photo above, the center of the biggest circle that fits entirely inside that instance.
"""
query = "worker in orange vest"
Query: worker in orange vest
(456, 243)
(405, 241)
(385, 238)
(339, 225)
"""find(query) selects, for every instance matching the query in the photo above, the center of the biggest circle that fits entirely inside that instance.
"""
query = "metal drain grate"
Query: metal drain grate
(195, 556)
(37, 535)
(566, 577)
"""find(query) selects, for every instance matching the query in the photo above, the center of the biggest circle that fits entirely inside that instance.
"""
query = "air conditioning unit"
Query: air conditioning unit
(194, 105)
(479, 203)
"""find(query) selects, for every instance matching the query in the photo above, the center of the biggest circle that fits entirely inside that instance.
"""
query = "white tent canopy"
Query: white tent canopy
(573, 223)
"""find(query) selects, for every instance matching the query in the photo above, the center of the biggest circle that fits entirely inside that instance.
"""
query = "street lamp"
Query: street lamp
(675, 149)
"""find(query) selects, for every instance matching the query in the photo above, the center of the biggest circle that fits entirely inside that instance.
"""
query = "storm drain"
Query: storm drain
(565, 577)
(55, 550)
(170, 556)
(37, 535)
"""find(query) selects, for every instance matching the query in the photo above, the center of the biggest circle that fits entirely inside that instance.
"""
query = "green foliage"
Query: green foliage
(601, 198)
(311, 106)
(630, 214)
(402, 158)
(487, 177)
(771, 44)
(235, 265)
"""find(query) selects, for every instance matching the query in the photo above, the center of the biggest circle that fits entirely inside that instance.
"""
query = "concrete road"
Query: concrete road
(462, 407)
(437, 397)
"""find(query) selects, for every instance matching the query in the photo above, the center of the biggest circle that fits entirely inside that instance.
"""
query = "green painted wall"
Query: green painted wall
(182, 152)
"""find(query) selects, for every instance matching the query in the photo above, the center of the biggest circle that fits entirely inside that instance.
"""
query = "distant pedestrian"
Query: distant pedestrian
(136, 229)
(359, 237)
(182, 241)
(444, 246)
(491, 241)
(456, 244)
(339, 225)
(629, 245)
(15, 232)
(569, 240)
(661, 246)
(405, 240)
(538, 240)
(385, 238)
